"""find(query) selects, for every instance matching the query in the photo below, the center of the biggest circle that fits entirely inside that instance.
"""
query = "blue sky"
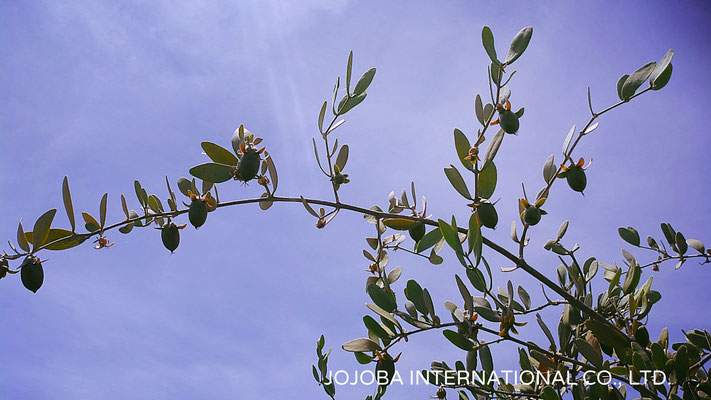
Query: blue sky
(109, 92)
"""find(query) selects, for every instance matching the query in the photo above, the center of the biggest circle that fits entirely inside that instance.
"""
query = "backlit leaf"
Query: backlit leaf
(213, 172)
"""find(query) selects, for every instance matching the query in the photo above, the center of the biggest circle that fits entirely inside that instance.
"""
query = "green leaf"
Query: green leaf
(21, 239)
(525, 297)
(70, 240)
(696, 245)
(487, 181)
(361, 345)
(364, 81)
(474, 237)
(455, 178)
(347, 103)
(588, 352)
(155, 204)
(681, 243)
(545, 330)
(375, 327)
(663, 78)
(549, 169)
(342, 157)
(669, 233)
(90, 222)
(67, 197)
(429, 240)
(126, 228)
(219, 154)
(466, 296)
(657, 78)
(658, 356)
(184, 186)
(381, 298)
(363, 358)
(632, 278)
(213, 172)
(629, 235)
(349, 70)
(681, 363)
(493, 148)
(487, 39)
(608, 336)
(548, 393)
(273, 172)
(382, 313)
(479, 110)
(462, 145)
(400, 224)
(636, 80)
(620, 84)
(451, 236)
(413, 292)
(41, 229)
(568, 139)
(477, 279)
(102, 210)
(519, 44)
(428, 303)
(458, 340)
(487, 363)
(321, 116)
(140, 193)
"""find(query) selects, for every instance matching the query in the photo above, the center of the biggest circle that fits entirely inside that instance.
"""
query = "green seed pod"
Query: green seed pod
(4, 267)
(387, 365)
(508, 121)
(641, 336)
(197, 213)
(170, 234)
(576, 178)
(532, 215)
(487, 215)
(417, 232)
(339, 179)
(248, 165)
(32, 273)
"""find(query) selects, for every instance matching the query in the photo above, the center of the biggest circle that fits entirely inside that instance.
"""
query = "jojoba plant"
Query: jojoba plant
(598, 331)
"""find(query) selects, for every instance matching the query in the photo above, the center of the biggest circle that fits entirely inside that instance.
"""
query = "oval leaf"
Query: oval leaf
(519, 44)
(636, 80)
(400, 224)
(213, 172)
(487, 181)
(381, 298)
(455, 178)
(361, 345)
(462, 145)
(219, 154)
(67, 198)
(41, 228)
(487, 39)
(493, 148)
(458, 340)
(364, 81)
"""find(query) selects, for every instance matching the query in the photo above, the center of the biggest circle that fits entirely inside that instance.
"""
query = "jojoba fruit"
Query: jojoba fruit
(532, 215)
(32, 273)
(248, 166)
(487, 215)
(197, 213)
(576, 178)
(508, 121)
(170, 235)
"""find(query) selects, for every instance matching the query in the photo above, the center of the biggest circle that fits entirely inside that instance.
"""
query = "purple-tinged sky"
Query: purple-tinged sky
(109, 92)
